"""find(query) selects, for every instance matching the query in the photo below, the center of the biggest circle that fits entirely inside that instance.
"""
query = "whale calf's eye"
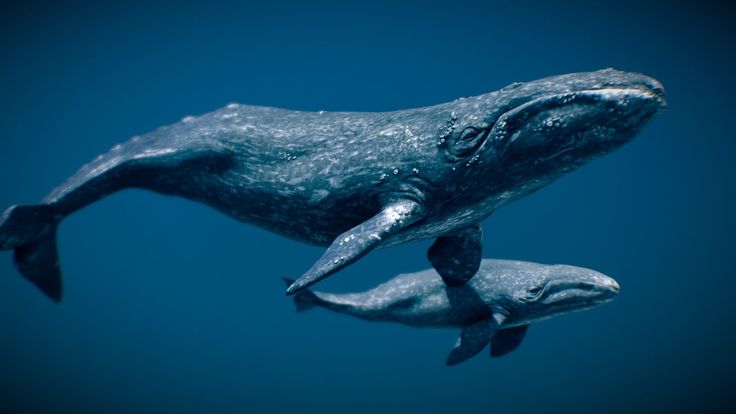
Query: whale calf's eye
(535, 292)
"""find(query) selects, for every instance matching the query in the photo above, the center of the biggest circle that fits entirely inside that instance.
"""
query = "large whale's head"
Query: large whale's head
(528, 134)
(548, 291)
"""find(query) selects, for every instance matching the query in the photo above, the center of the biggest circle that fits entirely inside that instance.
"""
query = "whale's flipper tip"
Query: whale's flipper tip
(290, 288)
(303, 299)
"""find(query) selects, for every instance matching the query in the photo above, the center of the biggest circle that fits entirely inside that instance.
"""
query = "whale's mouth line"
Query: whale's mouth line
(580, 292)
(557, 154)
(612, 91)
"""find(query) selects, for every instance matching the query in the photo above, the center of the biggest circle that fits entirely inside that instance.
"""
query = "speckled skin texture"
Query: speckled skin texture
(358, 181)
(502, 299)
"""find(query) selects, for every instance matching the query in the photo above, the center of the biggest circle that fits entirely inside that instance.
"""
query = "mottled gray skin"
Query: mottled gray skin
(358, 181)
(508, 294)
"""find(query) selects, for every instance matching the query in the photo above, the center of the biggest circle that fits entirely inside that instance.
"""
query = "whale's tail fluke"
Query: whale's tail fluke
(31, 231)
(304, 299)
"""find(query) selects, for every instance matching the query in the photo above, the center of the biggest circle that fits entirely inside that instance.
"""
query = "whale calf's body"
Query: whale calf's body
(357, 181)
(495, 307)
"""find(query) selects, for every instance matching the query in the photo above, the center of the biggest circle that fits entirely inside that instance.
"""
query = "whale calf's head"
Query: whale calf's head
(555, 290)
(538, 130)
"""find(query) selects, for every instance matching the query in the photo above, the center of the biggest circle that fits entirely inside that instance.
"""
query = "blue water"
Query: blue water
(170, 306)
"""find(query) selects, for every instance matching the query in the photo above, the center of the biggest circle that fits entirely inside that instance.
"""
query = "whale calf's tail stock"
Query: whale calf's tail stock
(31, 231)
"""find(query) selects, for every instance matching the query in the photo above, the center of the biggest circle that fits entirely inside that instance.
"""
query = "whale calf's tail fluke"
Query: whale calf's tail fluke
(304, 299)
(31, 231)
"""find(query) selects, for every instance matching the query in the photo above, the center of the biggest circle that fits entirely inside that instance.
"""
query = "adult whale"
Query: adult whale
(495, 307)
(358, 181)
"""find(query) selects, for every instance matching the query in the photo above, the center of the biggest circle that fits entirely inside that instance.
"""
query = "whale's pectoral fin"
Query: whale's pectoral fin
(358, 241)
(473, 339)
(456, 256)
(506, 340)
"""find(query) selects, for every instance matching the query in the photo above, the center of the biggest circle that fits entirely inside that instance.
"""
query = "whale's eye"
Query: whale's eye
(467, 141)
(469, 134)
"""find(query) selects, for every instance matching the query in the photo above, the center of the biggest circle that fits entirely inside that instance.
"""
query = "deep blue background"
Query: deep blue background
(172, 307)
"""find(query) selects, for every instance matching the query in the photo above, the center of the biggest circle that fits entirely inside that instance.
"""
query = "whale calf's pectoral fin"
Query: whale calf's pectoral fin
(358, 241)
(472, 340)
(506, 340)
(456, 256)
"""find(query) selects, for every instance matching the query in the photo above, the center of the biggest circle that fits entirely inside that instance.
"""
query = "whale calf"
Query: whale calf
(357, 181)
(495, 307)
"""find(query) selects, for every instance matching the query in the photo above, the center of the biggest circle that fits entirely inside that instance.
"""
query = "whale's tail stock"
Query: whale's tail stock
(304, 299)
(31, 231)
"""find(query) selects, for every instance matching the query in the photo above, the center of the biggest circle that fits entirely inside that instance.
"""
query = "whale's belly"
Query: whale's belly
(317, 212)
(313, 210)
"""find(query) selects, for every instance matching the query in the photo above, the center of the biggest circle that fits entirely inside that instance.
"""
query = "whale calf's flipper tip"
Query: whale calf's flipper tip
(31, 231)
